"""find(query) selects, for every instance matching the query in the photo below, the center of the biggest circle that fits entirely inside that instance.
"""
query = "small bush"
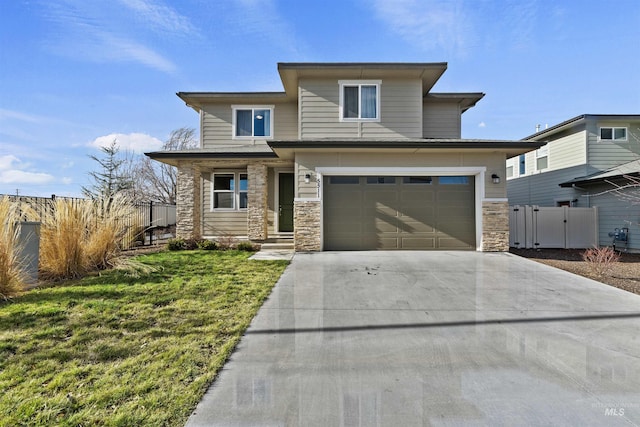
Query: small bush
(602, 260)
(226, 241)
(245, 246)
(176, 245)
(207, 245)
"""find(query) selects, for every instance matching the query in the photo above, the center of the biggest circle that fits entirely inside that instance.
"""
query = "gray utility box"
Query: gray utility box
(29, 244)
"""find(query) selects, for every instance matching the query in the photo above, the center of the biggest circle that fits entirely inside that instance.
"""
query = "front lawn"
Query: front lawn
(122, 350)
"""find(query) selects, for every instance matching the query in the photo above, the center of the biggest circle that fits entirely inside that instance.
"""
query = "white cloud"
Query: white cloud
(100, 32)
(482, 125)
(136, 142)
(160, 17)
(12, 172)
(429, 24)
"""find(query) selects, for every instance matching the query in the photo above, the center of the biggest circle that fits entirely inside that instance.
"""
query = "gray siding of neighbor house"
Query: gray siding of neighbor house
(616, 213)
(607, 154)
(441, 120)
(542, 189)
(217, 124)
(400, 111)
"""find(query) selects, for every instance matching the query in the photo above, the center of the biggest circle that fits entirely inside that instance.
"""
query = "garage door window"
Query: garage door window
(454, 180)
(381, 180)
(344, 180)
(423, 180)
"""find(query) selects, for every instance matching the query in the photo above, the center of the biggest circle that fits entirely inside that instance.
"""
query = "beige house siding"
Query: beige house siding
(217, 124)
(568, 151)
(217, 223)
(400, 111)
(441, 120)
(308, 162)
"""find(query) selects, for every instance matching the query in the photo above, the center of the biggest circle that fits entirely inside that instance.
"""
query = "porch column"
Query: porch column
(495, 226)
(257, 208)
(188, 210)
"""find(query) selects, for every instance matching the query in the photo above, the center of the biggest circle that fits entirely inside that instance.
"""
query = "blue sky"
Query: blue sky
(75, 74)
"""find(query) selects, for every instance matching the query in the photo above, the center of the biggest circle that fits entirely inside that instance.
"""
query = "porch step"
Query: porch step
(277, 245)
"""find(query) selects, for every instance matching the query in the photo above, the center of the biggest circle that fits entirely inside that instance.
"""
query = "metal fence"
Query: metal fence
(149, 220)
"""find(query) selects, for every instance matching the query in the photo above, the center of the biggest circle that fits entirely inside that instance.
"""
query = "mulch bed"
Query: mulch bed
(624, 275)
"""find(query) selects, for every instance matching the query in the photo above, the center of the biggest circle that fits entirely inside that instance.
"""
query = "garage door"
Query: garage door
(399, 212)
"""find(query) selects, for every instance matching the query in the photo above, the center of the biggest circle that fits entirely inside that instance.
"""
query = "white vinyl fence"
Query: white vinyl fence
(546, 227)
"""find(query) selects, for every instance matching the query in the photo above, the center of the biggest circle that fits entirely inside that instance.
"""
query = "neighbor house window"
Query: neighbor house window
(613, 134)
(509, 171)
(522, 165)
(542, 158)
(359, 100)
(229, 191)
(252, 122)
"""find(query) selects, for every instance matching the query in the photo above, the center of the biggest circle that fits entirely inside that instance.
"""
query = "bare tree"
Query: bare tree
(157, 181)
(110, 179)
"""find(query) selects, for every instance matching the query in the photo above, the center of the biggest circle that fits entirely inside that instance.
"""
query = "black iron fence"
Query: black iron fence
(147, 223)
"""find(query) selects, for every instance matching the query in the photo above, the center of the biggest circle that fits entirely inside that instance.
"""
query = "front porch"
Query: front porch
(245, 200)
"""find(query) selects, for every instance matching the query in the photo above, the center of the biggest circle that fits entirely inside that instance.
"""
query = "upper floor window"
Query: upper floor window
(229, 190)
(522, 164)
(360, 100)
(252, 121)
(542, 158)
(613, 134)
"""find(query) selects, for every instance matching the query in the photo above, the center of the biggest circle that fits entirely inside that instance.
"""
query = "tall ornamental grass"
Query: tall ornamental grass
(82, 236)
(12, 275)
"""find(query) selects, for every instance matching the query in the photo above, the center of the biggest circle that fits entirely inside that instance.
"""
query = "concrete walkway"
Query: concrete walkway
(432, 338)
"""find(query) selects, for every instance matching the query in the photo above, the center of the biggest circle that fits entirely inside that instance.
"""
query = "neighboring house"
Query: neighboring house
(583, 160)
(351, 156)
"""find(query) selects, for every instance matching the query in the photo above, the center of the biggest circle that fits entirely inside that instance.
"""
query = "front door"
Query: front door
(285, 196)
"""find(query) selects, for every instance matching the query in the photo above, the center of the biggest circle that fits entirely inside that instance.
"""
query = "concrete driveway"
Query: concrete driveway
(432, 338)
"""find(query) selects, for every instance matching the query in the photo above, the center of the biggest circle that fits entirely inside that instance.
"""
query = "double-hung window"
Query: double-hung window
(360, 100)
(542, 158)
(613, 134)
(252, 121)
(229, 190)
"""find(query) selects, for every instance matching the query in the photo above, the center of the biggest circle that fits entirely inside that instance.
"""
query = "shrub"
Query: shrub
(207, 245)
(12, 276)
(226, 241)
(245, 246)
(176, 244)
(601, 260)
(81, 236)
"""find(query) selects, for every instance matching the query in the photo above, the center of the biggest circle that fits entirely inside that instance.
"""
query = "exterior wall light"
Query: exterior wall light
(307, 178)
(495, 179)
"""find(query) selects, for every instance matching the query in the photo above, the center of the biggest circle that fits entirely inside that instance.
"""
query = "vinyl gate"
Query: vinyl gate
(557, 227)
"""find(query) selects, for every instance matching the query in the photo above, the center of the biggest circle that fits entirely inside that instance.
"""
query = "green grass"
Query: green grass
(122, 349)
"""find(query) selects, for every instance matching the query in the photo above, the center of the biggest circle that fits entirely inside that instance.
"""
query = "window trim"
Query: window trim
(540, 153)
(613, 134)
(236, 190)
(359, 83)
(234, 112)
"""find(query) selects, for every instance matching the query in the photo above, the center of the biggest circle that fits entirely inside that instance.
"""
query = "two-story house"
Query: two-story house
(583, 160)
(350, 156)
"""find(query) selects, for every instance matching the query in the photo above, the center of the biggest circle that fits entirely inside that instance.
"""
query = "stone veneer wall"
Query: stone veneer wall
(257, 208)
(188, 210)
(495, 226)
(306, 219)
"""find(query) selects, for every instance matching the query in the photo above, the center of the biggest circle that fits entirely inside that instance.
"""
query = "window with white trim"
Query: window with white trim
(229, 191)
(252, 121)
(613, 134)
(542, 158)
(359, 100)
